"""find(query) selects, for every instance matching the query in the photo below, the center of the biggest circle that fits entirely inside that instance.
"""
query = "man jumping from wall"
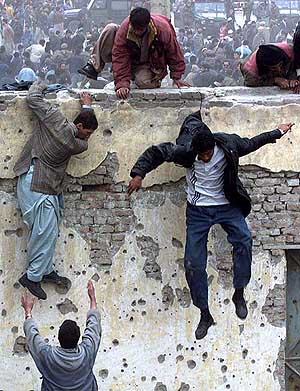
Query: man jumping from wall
(140, 49)
(215, 195)
(41, 170)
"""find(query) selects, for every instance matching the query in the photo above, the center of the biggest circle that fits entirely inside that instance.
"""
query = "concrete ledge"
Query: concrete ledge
(235, 95)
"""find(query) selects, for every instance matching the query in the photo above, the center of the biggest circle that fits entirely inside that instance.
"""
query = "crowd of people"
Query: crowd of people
(36, 41)
(214, 51)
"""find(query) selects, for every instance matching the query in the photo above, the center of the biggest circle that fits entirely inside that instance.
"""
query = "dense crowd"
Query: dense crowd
(214, 51)
(36, 41)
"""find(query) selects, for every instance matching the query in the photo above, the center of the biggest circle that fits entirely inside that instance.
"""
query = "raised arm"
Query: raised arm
(36, 344)
(92, 333)
(247, 145)
(41, 108)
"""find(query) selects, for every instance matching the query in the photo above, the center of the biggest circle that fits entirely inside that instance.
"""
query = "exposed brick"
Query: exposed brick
(293, 182)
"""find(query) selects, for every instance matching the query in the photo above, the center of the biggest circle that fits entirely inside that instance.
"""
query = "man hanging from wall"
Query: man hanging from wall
(276, 64)
(70, 365)
(140, 49)
(215, 195)
(41, 170)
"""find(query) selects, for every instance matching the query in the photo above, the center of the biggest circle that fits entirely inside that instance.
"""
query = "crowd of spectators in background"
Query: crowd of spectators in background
(214, 51)
(35, 41)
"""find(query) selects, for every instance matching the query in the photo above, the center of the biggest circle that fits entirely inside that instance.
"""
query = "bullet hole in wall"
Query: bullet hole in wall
(161, 358)
(191, 364)
(177, 243)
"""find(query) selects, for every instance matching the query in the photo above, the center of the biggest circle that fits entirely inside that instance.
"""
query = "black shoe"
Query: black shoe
(203, 326)
(33, 287)
(89, 71)
(240, 306)
(63, 284)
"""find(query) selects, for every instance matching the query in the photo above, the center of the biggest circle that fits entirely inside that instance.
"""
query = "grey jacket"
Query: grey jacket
(66, 369)
(52, 143)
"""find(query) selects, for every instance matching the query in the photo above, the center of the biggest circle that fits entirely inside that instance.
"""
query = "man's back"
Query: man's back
(66, 369)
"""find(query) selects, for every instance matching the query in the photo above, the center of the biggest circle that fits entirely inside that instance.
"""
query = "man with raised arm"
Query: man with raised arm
(41, 170)
(215, 195)
(68, 367)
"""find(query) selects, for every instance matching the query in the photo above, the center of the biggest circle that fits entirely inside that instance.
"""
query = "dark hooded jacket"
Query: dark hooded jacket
(182, 153)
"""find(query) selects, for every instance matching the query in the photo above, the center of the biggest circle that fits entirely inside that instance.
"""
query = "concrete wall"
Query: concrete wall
(133, 248)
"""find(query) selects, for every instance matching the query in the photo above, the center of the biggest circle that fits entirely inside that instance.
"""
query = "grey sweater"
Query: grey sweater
(66, 369)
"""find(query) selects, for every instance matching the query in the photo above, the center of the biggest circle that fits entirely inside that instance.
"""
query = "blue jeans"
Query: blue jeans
(199, 220)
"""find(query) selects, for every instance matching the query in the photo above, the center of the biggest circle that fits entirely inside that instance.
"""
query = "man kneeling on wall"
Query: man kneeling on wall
(215, 195)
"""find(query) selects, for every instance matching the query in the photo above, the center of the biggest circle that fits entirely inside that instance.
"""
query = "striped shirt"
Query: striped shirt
(205, 181)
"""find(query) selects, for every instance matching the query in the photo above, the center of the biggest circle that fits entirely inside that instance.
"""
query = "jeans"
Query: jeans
(199, 220)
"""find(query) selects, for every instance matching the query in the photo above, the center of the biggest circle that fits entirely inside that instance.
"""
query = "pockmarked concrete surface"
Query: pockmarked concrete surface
(128, 128)
(148, 319)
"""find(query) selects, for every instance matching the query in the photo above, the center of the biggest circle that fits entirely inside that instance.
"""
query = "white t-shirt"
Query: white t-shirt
(205, 181)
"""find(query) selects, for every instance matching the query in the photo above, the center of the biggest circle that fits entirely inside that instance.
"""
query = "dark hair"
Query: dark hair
(139, 17)
(87, 118)
(42, 42)
(68, 334)
(193, 59)
(203, 139)
(269, 55)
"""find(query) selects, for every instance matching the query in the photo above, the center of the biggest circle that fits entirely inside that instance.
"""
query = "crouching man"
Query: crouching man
(215, 195)
(141, 49)
(41, 170)
(70, 365)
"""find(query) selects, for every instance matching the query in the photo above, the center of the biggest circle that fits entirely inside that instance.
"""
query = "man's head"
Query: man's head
(193, 59)
(271, 59)
(86, 122)
(181, 32)
(68, 334)
(139, 19)
(203, 143)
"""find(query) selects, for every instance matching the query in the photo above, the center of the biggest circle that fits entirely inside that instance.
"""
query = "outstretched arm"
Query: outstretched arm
(247, 145)
(36, 344)
(45, 112)
(152, 158)
(92, 333)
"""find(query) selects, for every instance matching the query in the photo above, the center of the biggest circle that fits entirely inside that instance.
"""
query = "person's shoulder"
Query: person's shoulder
(160, 21)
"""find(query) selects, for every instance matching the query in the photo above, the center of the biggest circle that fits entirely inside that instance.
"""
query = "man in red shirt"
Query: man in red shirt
(140, 49)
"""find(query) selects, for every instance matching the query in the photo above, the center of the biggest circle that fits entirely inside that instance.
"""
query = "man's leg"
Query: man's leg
(198, 223)
(234, 223)
(40, 248)
(42, 241)
(102, 52)
(144, 78)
